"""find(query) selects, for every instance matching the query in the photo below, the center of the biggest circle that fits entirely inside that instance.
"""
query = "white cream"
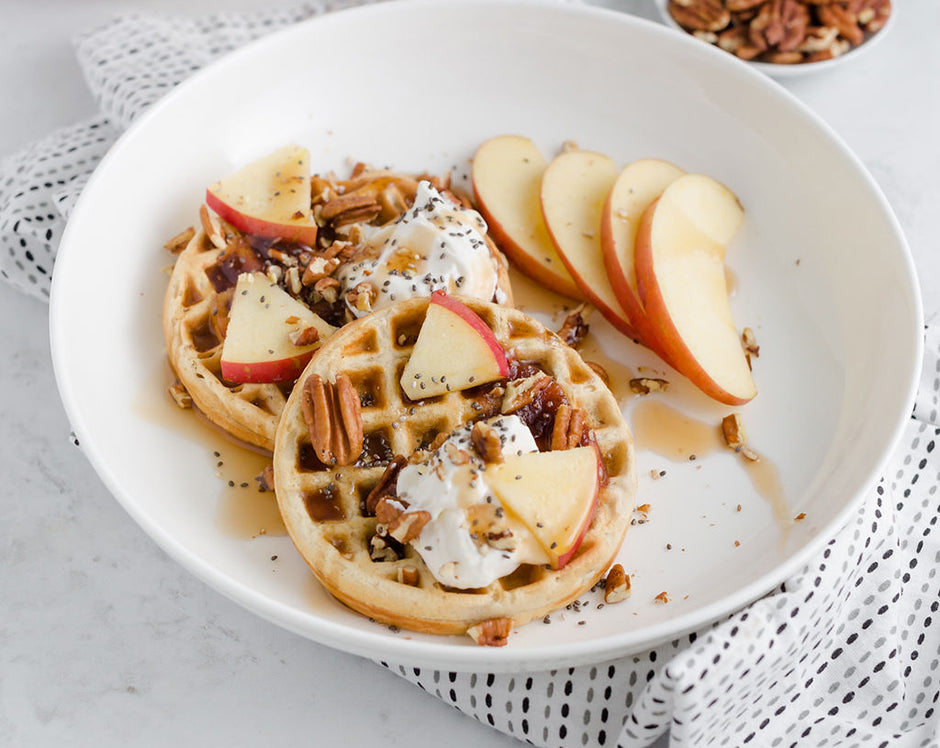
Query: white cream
(435, 245)
(445, 490)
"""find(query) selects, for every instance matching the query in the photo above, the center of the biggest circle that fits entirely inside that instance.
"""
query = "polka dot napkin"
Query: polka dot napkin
(845, 653)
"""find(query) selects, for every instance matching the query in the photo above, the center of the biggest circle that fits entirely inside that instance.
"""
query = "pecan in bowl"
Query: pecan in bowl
(783, 37)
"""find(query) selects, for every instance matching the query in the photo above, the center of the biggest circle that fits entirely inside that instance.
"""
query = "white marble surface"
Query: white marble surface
(104, 640)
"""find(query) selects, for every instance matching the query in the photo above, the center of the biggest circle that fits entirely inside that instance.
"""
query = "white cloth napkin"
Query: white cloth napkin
(845, 653)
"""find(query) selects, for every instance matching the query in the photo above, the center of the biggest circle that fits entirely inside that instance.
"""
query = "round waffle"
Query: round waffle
(324, 506)
(192, 311)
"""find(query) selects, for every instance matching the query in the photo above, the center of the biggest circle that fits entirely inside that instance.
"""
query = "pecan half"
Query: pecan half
(334, 419)
(180, 395)
(319, 267)
(345, 204)
(213, 228)
(492, 633)
(362, 296)
(328, 288)
(304, 336)
(569, 427)
(387, 510)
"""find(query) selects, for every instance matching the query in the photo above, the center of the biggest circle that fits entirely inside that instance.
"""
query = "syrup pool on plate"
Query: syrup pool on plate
(243, 510)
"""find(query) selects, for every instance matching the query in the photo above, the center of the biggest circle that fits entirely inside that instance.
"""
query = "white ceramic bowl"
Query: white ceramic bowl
(794, 71)
(823, 276)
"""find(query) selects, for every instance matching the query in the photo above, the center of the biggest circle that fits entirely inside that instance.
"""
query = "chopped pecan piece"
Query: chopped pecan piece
(304, 336)
(735, 437)
(457, 455)
(328, 288)
(334, 418)
(487, 443)
(180, 396)
(386, 485)
(492, 633)
(178, 243)
(569, 427)
(617, 587)
(381, 550)
(575, 327)
(213, 228)
(749, 341)
(646, 385)
(407, 526)
(521, 392)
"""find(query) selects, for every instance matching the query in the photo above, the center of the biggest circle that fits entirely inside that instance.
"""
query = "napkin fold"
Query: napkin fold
(844, 653)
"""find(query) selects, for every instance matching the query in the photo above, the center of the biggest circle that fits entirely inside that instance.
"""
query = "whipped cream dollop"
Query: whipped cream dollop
(453, 490)
(435, 245)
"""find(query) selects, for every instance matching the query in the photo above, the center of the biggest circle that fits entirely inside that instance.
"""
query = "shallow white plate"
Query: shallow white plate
(823, 276)
(795, 71)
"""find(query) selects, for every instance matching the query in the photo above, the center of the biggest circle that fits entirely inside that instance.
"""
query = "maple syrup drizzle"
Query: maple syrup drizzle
(618, 374)
(243, 511)
(678, 437)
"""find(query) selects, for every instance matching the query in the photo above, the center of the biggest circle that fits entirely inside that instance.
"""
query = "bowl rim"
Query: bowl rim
(445, 654)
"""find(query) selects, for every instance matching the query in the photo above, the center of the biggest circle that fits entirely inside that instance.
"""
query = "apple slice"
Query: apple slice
(269, 197)
(637, 186)
(680, 253)
(507, 172)
(263, 324)
(553, 493)
(455, 350)
(574, 189)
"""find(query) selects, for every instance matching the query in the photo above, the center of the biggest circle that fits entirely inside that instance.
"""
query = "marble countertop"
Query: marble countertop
(103, 639)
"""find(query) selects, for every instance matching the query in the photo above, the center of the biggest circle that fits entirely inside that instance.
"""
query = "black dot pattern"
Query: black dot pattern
(846, 653)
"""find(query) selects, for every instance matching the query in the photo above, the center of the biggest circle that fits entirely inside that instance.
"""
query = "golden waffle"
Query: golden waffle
(323, 507)
(194, 338)
(194, 314)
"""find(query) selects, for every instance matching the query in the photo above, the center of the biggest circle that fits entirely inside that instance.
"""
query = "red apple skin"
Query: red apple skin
(616, 317)
(300, 233)
(559, 282)
(525, 264)
(667, 335)
(264, 372)
(563, 559)
(473, 319)
(632, 306)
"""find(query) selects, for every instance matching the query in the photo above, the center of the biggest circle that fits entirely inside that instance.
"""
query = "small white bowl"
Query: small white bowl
(776, 70)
